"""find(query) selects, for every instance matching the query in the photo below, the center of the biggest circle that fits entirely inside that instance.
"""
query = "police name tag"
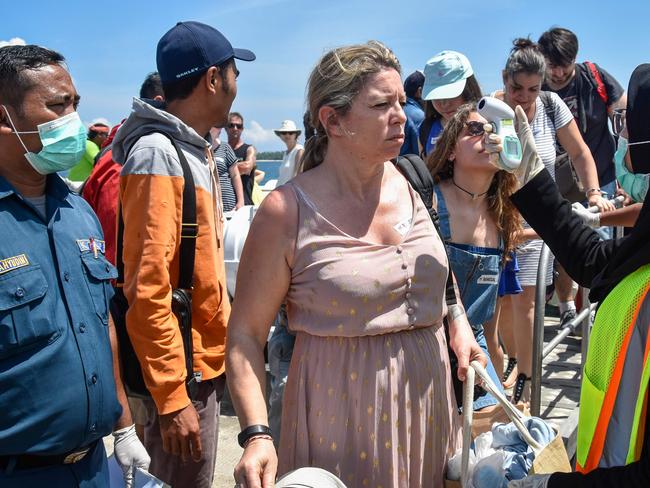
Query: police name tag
(488, 280)
(403, 227)
(14, 262)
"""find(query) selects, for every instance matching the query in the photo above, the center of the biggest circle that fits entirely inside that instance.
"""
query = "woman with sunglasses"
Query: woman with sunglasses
(522, 77)
(477, 220)
(289, 133)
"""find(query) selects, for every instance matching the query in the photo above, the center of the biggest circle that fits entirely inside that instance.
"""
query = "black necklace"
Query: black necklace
(473, 195)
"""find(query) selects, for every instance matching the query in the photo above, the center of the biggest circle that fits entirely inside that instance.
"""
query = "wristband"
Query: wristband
(252, 430)
(590, 191)
(256, 437)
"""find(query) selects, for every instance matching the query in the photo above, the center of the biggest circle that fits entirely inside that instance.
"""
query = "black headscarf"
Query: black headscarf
(634, 250)
(638, 118)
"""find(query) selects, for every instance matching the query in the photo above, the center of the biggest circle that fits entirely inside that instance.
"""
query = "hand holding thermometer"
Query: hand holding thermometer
(502, 119)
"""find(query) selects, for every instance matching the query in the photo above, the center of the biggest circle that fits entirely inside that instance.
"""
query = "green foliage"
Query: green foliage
(272, 155)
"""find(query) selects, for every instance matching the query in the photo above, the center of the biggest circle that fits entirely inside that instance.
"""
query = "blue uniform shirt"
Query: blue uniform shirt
(57, 391)
(414, 118)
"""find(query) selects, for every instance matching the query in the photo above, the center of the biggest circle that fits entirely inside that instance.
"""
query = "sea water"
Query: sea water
(271, 169)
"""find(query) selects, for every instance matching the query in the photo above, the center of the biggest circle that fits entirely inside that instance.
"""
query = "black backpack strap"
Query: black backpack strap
(417, 174)
(189, 226)
(547, 101)
(549, 107)
(597, 80)
(181, 302)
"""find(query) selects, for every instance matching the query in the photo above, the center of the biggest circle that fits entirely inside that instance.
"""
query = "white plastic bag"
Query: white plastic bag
(482, 449)
(488, 472)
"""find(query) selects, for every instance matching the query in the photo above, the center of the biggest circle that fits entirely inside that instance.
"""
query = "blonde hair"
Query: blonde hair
(504, 184)
(336, 80)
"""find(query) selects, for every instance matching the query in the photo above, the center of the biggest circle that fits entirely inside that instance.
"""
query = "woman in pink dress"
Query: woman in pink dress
(350, 246)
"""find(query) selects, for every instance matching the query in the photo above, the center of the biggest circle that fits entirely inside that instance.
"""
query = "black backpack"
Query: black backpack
(417, 174)
(566, 177)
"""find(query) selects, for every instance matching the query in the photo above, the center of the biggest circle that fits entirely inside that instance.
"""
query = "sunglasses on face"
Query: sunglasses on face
(235, 126)
(475, 128)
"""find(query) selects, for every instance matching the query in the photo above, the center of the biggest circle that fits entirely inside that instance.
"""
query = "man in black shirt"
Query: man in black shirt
(246, 155)
(591, 93)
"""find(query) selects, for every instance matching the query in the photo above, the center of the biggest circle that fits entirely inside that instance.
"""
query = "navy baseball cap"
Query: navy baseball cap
(190, 48)
(412, 82)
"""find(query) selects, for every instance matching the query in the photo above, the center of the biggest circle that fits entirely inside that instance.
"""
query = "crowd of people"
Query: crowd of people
(115, 316)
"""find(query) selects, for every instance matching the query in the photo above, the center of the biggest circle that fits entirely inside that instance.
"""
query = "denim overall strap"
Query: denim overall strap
(476, 271)
(443, 214)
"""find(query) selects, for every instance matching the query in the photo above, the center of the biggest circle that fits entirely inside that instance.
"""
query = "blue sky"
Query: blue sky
(110, 46)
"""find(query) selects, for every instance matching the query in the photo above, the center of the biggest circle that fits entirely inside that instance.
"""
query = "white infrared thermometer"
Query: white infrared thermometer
(502, 119)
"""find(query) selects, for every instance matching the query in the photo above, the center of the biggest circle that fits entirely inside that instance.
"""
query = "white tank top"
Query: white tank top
(288, 166)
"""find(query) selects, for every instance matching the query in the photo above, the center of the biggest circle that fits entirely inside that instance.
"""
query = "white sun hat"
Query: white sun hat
(287, 126)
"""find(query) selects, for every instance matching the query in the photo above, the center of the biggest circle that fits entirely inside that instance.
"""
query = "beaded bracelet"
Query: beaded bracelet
(255, 437)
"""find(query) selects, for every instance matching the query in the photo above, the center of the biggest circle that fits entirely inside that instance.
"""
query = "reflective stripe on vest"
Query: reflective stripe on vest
(611, 426)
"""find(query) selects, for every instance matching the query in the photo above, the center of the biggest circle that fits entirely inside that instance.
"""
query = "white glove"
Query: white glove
(130, 453)
(492, 144)
(532, 481)
(531, 163)
(592, 219)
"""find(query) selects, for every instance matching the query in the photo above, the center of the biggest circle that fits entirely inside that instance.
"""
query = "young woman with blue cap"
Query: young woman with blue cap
(449, 82)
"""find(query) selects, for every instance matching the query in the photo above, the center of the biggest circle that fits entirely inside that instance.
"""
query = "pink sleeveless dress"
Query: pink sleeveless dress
(369, 395)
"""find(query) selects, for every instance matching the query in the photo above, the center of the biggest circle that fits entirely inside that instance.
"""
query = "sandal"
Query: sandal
(512, 363)
(521, 392)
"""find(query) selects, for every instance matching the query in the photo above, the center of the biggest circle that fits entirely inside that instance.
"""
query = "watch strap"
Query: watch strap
(253, 430)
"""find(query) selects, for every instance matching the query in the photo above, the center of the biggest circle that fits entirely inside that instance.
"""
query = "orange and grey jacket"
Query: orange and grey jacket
(151, 189)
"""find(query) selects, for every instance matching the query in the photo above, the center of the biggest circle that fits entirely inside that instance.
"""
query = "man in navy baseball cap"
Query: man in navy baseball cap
(190, 48)
(199, 80)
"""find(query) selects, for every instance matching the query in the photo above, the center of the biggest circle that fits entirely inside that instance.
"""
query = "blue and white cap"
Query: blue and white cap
(445, 75)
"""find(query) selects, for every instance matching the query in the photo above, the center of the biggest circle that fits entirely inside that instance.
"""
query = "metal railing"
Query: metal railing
(583, 319)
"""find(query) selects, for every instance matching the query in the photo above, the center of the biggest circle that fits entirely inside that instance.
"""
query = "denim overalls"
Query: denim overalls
(477, 271)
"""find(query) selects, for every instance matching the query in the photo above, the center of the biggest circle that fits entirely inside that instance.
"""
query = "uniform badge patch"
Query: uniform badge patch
(14, 262)
(91, 245)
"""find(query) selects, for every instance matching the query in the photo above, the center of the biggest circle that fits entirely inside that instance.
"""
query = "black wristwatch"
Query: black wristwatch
(251, 431)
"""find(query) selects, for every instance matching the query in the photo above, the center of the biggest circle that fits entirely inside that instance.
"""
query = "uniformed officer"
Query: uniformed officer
(58, 396)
